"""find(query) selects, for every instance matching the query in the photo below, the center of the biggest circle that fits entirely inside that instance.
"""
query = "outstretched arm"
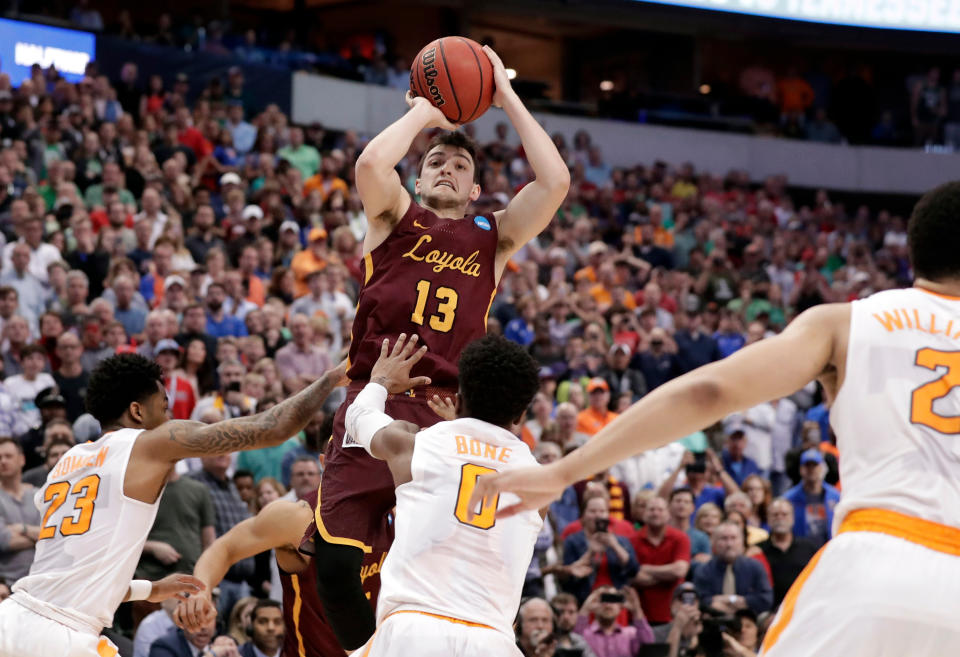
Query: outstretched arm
(156, 450)
(175, 585)
(384, 198)
(180, 439)
(533, 207)
(280, 524)
(766, 370)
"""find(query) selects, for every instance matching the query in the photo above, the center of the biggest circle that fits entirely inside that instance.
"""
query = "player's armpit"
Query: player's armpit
(528, 213)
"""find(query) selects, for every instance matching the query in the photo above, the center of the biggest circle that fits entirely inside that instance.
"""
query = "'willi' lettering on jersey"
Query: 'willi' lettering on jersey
(901, 319)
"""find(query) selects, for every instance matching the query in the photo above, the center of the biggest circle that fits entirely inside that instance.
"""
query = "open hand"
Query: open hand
(445, 407)
(535, 486)
(392, 369)
(177, 585)
(437, 118)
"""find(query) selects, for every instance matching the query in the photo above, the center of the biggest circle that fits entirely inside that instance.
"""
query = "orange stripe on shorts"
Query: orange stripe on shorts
(105, 648)
(789, 602)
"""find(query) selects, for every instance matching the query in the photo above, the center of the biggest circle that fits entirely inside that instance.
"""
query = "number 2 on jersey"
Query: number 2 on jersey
(56, 494)
(468, 481)
(921, 406)
(442, 322)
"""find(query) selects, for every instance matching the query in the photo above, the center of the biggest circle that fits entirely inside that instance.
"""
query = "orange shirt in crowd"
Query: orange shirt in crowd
(325, 187)
(662, 237)
(256, 292)
(604, 297)
(590, 422)
(302, 264)
(796, 95)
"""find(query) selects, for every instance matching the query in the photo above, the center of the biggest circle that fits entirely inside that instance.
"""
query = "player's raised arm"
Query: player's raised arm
(384, 198)
(280, 524)
(534, 206)
(383, 437)
(766, 370)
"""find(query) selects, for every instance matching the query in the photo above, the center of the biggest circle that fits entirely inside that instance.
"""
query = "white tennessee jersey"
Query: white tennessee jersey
(441, 562)
(897, 414)
(91, 534)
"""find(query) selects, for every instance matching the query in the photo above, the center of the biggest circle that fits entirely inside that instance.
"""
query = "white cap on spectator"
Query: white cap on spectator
(290, 225)
(229, 178)
(252, 211)
(619, 346)
(166, 345)
(170, 281)
(596, 248)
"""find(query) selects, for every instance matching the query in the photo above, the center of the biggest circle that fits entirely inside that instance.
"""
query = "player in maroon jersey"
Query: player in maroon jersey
(279, 527)
(431, 270)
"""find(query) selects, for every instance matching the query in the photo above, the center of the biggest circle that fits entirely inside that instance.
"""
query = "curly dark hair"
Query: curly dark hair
(457, 139)
(119, 381)
(933, 233)
(498, 380)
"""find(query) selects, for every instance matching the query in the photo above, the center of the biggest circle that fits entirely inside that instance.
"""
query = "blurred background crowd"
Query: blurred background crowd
(200, 227)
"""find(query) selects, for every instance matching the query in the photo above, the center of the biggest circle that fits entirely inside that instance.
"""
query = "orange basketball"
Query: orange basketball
(456, 76)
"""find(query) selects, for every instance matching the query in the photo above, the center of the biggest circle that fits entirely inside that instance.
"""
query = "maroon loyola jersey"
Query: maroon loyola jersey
(434, 277)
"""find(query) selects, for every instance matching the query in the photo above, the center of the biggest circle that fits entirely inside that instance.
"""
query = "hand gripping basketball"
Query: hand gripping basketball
(502, 83)
(437, 118)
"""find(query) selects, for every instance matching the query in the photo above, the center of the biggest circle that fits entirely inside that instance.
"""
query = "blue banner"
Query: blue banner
(24, 44)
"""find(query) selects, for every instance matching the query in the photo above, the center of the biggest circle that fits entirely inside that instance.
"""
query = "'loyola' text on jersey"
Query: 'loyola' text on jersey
(444, 259)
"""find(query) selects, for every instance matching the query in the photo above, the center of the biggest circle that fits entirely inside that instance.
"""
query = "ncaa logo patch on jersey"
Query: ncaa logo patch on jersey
(482, 222)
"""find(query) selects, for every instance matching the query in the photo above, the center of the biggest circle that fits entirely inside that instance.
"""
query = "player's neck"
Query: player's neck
(446, 212)
(950, 288)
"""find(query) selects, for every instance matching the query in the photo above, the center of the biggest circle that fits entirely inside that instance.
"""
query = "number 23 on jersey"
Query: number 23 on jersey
(84, 496)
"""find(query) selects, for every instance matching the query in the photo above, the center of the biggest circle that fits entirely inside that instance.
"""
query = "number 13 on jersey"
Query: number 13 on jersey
(447, 299)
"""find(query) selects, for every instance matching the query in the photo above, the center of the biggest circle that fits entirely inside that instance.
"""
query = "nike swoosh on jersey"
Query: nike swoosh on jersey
(418, 224)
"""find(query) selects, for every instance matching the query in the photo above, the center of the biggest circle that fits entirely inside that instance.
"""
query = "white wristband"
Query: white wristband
(365, 417)
(140, 589)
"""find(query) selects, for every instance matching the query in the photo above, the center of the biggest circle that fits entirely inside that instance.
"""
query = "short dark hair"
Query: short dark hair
(498, 380)
(240, 474)
(263, 603)
(13, 441)
(32, 348)
(457, 139)
(933, 233)
(119, 381)
(683, 490)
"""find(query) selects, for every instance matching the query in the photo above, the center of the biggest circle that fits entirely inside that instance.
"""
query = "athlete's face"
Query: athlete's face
(446, 178)
(153, 411)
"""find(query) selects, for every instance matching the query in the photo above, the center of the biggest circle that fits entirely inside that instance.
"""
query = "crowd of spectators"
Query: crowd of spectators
(796, 102)
(227, 247)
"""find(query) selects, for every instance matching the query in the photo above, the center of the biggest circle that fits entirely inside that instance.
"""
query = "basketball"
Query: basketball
(456, 76)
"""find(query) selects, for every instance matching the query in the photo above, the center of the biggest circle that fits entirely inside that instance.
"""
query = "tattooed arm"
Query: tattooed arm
(180, 439)
(156, 450)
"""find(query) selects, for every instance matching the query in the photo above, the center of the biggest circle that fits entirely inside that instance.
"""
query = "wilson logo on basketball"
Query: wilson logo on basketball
(430, 74)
